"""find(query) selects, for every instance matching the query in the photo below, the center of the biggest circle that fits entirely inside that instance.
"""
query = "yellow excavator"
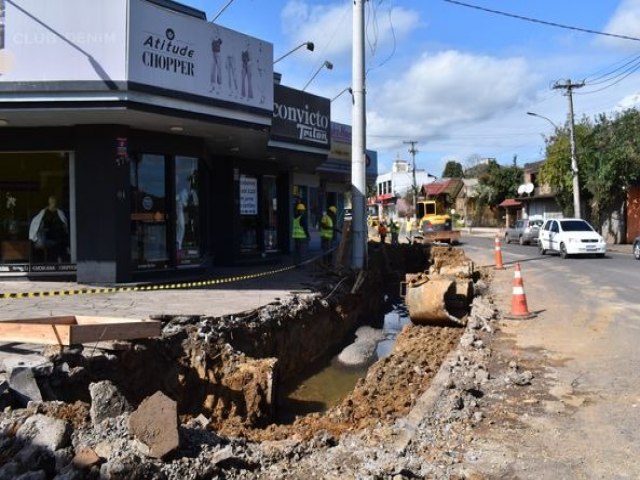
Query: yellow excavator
(434, 223)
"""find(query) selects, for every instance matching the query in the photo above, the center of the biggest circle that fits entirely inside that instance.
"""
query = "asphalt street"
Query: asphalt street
(580, 418)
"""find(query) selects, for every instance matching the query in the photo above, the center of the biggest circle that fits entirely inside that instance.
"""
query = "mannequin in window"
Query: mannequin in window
(49, 231)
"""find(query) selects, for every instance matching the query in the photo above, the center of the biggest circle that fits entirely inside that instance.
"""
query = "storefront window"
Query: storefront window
(270, 212)
(149, 212)
(34, 207)
(187, 211)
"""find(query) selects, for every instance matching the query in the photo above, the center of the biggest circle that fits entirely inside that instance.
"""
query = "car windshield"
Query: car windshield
(575, 226)
(536, 223)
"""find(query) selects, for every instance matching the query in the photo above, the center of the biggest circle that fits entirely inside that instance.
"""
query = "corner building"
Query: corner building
(135, 143)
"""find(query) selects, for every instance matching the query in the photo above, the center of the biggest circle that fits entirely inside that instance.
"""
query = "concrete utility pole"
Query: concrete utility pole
(569, 87)
(358, 154)
(414, 185)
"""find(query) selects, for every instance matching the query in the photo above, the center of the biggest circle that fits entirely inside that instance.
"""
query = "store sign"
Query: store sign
(248, 195)
(299, 117)
(64, 40)
(340, 141)
(186, 54)
(112, 41)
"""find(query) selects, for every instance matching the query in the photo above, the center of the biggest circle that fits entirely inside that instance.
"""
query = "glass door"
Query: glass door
(149, 212)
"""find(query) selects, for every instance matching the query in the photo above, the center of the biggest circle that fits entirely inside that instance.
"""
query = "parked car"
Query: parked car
(570, 236)
(636, 248)
(525, 231)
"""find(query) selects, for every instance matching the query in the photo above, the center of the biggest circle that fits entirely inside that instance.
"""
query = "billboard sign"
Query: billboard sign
(186, 54)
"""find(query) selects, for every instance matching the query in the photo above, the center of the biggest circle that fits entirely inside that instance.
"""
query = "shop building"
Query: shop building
(299, 142)
(135, 142)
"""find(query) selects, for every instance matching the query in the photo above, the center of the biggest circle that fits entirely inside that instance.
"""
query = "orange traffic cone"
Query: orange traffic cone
(519, 309)
(499, 265)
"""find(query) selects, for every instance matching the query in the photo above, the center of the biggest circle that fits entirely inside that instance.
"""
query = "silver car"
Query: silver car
(525, 231)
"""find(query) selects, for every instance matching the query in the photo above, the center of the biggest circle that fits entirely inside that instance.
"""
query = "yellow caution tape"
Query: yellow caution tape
(141, 288)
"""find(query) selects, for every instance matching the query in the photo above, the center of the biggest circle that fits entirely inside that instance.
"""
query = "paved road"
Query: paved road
(581, 416)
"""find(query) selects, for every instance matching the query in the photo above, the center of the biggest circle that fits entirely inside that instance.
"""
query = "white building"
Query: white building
(394, 185)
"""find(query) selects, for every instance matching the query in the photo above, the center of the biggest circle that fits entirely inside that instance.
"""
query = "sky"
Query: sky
(459, 81)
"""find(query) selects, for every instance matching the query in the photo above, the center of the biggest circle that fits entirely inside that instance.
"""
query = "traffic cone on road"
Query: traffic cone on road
(519, 309)
(499, 265)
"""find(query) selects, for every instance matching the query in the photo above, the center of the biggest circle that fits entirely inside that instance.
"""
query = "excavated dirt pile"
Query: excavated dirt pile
(200, 401)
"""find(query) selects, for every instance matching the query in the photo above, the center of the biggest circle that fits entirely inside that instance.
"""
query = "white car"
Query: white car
(570, 236)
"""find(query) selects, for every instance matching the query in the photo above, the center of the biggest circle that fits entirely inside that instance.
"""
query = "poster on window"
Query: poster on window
(248, 195)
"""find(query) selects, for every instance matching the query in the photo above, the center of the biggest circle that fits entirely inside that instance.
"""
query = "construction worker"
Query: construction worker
(326, 236)
(382, 231)
(300, 234)
(394, 229)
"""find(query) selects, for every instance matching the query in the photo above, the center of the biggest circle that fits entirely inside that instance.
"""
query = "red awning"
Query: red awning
(510, 202)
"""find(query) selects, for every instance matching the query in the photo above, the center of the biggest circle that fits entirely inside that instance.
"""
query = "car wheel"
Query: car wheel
(521, 239)
(599, 255)
(541, 250)
(563, 251)
(636, 250)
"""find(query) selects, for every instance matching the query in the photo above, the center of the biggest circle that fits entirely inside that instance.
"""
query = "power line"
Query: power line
(543, 22)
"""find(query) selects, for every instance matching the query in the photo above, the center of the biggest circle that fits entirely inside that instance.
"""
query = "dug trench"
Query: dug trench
(228, 374)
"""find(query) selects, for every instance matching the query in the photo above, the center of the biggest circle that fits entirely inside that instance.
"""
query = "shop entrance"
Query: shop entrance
(165, 212)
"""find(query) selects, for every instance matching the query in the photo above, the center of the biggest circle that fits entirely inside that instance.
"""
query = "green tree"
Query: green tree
(608, 156)
(453, 169)
(498, 183)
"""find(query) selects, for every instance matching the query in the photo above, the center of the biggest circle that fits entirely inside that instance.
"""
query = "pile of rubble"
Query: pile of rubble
(410, 417)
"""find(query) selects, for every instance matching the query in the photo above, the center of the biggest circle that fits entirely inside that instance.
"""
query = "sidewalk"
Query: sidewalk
(216, 300)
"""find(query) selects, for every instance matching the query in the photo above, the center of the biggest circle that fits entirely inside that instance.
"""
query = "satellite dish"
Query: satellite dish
(528, 187)
(520, 189)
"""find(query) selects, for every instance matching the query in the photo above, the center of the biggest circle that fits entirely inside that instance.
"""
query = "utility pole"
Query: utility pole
(569, 87)
(414, 186)
(358, 153)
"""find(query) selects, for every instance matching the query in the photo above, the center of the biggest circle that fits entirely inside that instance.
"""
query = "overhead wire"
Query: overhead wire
(543, 22)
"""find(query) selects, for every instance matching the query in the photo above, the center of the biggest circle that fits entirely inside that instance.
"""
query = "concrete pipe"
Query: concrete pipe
(426, 300)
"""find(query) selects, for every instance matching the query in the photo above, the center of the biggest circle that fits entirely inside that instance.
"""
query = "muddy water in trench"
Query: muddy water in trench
(329, 384)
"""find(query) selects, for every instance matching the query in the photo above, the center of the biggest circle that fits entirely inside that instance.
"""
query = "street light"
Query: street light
(574, 162)
(310, 46)
(326, 64)
(347, 89)
(542, 116)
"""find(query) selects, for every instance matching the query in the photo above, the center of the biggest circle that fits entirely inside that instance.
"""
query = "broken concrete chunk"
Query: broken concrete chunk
(39, 365)
(47, 432)
(155, 425)
(85, 457)
(23, 384)
(106, 402)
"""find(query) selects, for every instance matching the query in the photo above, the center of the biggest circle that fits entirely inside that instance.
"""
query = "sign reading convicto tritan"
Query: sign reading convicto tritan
(300, 117)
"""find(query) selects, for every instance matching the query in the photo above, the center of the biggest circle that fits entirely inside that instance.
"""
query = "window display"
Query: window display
(187, 211)
(35, 227)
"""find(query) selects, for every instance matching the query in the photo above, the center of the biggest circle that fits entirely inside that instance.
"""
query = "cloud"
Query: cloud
(625, 21)
(443, 91)
(329, 26)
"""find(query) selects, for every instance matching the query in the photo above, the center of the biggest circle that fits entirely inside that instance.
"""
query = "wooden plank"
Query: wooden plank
(63, 320)
(41, 333)
(75, 330)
